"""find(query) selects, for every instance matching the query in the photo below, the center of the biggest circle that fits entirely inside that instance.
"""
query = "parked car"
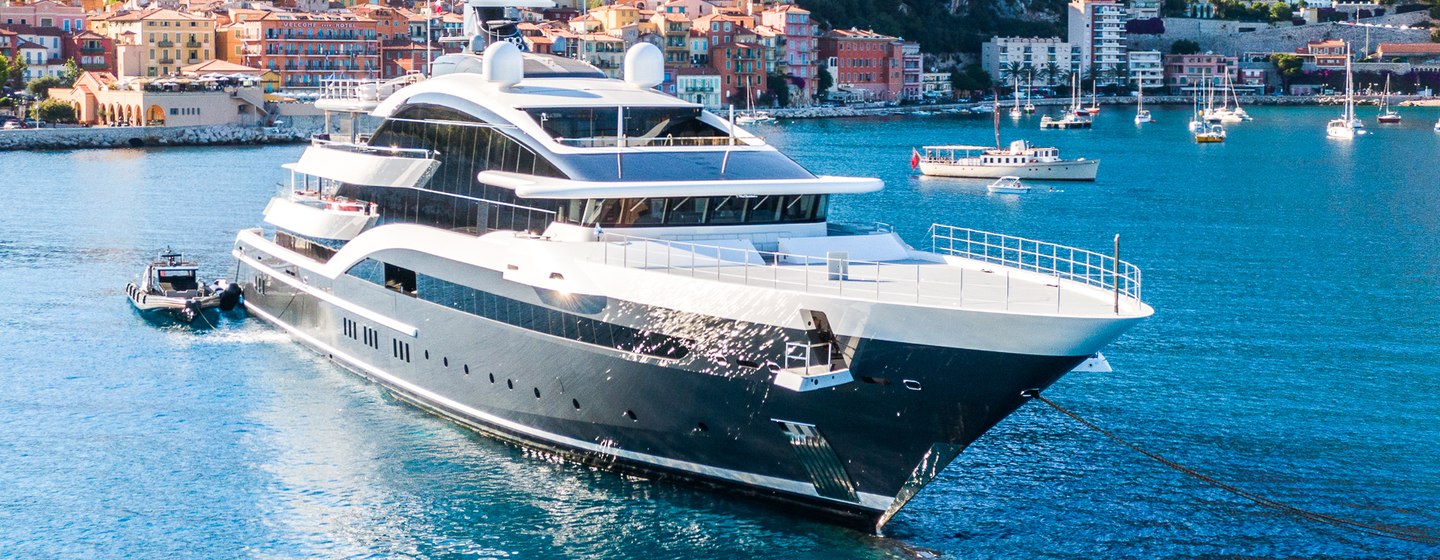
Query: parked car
(11, 125)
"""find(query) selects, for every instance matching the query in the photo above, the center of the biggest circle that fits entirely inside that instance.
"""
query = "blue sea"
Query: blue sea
(1294, 353)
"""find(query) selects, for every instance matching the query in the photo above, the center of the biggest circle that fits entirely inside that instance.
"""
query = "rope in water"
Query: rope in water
(1419, 536)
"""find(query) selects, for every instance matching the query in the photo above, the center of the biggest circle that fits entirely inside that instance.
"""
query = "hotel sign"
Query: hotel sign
(315, 24)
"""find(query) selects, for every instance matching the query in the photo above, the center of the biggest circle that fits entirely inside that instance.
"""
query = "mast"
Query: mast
(1349, 90)
(997, 122)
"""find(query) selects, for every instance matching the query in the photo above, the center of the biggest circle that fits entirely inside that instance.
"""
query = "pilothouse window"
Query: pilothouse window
(599, 126)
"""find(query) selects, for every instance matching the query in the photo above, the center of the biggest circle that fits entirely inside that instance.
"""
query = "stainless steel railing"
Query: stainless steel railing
(1069, 263)
(1010, 285)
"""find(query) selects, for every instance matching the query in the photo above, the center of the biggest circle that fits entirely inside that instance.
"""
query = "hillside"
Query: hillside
(943, 26)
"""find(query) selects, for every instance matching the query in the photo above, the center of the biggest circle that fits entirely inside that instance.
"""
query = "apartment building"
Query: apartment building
(1049, 60)
(305, 49)
(865, 65)
(1146, 69)
(157, 42)
(1098, 28)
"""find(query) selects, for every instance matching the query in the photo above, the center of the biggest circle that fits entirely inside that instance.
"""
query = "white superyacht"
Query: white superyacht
(592, 268)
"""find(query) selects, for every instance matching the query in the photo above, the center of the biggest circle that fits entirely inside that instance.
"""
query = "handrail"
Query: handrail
(646, 141)
(1069, 263)
(368, 149)
(1025, 280)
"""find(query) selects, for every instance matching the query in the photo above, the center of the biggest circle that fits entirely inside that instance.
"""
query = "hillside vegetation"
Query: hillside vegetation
(935, 27)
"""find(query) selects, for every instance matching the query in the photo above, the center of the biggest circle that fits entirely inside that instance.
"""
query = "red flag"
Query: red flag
(439, 7)
(914, 158)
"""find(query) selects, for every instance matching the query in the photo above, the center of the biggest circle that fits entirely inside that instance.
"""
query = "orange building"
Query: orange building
(304, 49)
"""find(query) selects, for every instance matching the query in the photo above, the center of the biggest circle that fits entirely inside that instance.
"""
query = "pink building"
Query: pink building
(799, 61)
(1186, 72)
(44, 13)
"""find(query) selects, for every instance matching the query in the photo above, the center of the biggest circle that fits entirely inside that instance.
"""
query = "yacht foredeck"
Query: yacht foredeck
(965, 269)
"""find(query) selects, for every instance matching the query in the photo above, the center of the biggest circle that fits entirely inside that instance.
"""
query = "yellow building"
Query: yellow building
(157, 42)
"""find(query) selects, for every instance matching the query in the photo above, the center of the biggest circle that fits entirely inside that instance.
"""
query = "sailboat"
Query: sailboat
(1141, 115)
(1222, 113)
(1347, 126)
(1387, 114)
(1197, 123)
(1094, 95)
(1075, 117)
(1015, 110)
(1238, 110)
(1029, 95)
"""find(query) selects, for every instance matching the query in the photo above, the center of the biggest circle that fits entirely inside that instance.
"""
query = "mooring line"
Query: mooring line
(1425, 536)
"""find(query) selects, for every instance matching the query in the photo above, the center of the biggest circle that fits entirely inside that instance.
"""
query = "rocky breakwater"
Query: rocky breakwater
(141, 136)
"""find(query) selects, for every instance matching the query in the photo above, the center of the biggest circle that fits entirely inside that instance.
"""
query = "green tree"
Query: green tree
(54, 111)
(71, 73)
(779, 88)
(1289, 67)
(823, 82)
(4, 70)
(1280, 11)
(15, 72)
(40, 87)
(1185, 46)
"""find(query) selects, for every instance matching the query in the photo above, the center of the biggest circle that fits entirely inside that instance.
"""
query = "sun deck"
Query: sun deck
(965, 269)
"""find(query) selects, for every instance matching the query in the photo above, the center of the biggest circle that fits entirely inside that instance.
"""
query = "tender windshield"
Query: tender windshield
(598, 126)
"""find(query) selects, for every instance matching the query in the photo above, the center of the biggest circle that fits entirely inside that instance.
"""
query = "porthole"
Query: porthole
(445, 361)
(510, 383)
(631, 415)
(492, 378)
(575, 403)
(427, 354)
(467, 369)
(911, 384)
(537, 392)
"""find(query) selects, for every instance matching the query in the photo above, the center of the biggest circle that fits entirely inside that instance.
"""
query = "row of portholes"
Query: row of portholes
(700, 427)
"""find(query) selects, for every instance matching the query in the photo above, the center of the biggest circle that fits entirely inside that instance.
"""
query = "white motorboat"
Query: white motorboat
(1067, 121)
(1212, 133)
(1007, 185)
(172, 286)
(1019, 159)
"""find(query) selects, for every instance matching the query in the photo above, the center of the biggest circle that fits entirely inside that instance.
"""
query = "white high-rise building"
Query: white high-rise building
(1097, 27)
(1147, 68)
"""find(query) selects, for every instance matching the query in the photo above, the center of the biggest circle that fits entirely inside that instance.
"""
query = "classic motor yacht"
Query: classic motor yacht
(607, 274)
(1019, 159)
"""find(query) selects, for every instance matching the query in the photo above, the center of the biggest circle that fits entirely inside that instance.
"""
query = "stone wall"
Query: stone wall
(141, 136)
(1227, 37)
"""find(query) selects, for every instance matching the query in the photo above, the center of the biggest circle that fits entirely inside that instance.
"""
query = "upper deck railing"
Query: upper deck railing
(363, 148)
(1069, 263)
(1028, 276)
(652, 141)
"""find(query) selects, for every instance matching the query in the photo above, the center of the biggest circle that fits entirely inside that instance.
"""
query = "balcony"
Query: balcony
(164, 61)
(92, 49)
(165, 44)
(193, 44)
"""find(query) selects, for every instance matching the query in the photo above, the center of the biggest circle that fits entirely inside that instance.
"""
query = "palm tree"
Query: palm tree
(1012, 71)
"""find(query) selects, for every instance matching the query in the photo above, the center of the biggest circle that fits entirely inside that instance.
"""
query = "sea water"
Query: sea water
(1295, 353)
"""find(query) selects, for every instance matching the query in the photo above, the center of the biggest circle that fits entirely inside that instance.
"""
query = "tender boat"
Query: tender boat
(1007, 185)
(610, 275)
(1020, 159)
(172, 286)
(754, 117)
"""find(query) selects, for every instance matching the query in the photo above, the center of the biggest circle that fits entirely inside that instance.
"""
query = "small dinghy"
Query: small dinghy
(1008, 184)
(172, 286)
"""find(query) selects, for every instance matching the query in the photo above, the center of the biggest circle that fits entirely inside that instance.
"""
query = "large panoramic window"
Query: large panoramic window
(692, 210)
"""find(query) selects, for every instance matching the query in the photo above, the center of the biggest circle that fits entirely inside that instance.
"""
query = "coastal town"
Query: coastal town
(193, 62)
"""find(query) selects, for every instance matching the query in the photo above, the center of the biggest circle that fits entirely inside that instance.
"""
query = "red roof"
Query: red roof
(1391, 49)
